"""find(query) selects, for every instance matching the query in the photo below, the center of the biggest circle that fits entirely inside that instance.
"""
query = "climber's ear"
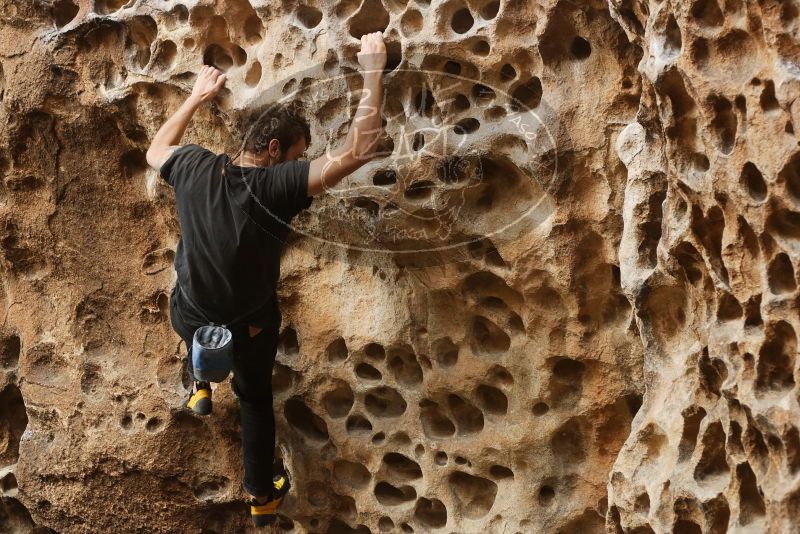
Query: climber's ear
(274, 150)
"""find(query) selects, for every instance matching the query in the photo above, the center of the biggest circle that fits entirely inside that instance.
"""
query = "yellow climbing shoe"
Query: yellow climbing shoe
(264, 513)
(200, 401)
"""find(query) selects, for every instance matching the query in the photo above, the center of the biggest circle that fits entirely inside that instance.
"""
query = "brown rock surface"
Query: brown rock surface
(563, 299)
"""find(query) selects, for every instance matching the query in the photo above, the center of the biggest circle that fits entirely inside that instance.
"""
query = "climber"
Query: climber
(234, 217)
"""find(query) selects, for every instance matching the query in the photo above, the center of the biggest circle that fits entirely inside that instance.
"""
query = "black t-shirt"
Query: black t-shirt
(233, 228)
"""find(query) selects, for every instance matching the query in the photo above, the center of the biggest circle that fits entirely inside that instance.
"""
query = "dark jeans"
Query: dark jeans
(253, 359)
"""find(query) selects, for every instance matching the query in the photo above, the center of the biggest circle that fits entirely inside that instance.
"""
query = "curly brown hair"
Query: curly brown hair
(284, 122)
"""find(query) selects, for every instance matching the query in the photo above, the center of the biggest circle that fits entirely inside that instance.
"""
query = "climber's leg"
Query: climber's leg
(200, 400)
(254, 358)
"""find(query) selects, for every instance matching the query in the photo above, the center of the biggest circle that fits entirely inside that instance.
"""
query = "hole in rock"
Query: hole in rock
(435, 424)
(8, 483)
(780, 275)
(462, 21)
(10, 348)
(468, 418)
(540, 408)
(642, 504)
(389, 495)
(13, 421)
(424, 103)
(287, 342)
(692, 417)
(712, 463)
(401, 467)
(580, 48)
(499, 472)
(546, 495)
(126, 422)
(385, 178)
(217, 57)
(431, 513)
(375, 351)
(488, 339)
(339, 400)
(367, 372)
(508, 72)
(491, 399)
(452, 67)
(63, 12)
(440, 458)
(372, 17)
(167, 51)
(445, 352)
(467, 126)
(153, 424)
(790, 175)
(724, 123)
(473, 495)
(713, 373)
(753, 181)
(419, 191)
(411, 23)
(352, 474)
(482, 94)
(751, 503)
(767, 99)
(309, 16)
(672, 38)
(106, 7)
(490, 10)
(481, 48)
(345, 8)
(302, 419)
(253, 29)
(404, 366)
(527, 96)
(253, 75)
(707, 13)
(418, 142)
(775, 369)
(282, 378)
(384, 401)
(394, 56)
(686, 526)
(385, 524)
(378, 438)
(357, 424)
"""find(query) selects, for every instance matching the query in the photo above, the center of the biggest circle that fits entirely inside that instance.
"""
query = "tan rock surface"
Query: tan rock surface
(562, 300)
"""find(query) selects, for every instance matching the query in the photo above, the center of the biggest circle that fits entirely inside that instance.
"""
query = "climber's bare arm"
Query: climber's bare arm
(209, 82)
(328, 170)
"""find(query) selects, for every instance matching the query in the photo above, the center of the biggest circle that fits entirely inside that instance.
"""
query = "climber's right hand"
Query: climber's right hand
(208, 84)
(372, 56)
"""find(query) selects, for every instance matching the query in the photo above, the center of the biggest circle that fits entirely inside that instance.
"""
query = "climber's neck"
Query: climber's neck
(248, 159)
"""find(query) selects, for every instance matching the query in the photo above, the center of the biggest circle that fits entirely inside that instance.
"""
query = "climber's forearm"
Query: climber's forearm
(365, 129)
(171, 132)
(360, 143)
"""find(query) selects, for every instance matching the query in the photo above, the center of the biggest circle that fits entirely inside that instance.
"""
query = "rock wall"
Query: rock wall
(562, 299)
(714, 150)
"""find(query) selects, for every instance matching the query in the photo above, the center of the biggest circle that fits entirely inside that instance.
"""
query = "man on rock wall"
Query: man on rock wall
(234, 216)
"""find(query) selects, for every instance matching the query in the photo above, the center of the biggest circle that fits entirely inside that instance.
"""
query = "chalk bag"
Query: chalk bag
(212, 353)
